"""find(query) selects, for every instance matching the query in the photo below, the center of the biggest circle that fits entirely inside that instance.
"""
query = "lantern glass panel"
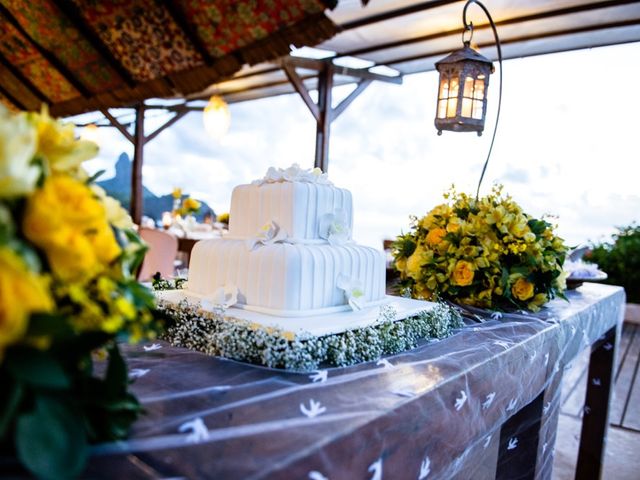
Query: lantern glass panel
(466, 107)
(477, 109)
(442, 108)
(478, 91)
(468, 87)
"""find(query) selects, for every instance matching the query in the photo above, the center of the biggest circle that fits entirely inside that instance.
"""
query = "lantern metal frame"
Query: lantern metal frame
(468, 62)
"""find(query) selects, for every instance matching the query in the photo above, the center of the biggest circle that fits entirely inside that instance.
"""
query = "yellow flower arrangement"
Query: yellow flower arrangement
(188, 206)
(484, 252)
(67, 257)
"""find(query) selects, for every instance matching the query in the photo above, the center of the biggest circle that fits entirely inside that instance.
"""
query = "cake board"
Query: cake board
(314, 325)
(305, 343)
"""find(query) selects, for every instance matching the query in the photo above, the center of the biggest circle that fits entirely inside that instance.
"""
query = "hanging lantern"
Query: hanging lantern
(216, 117)
(462, 99)
(91, 133)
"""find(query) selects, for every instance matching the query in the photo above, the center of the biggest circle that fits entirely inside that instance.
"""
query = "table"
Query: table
(483, 403)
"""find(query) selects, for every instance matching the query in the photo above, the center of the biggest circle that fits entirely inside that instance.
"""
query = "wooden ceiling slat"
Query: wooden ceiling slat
(12, 99)
(69, 9)
(508, 21)
(527, 38)
(24, 80)
(48, 56)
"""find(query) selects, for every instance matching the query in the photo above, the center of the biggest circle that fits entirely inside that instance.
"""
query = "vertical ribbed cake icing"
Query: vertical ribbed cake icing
(289, 250)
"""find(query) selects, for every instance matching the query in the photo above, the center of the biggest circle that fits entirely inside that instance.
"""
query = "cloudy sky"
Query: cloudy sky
(567, 145)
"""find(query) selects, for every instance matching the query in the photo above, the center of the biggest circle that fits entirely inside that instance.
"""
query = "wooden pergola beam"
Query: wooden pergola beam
(114, 121)
(139, 140)
(136, 172)
(178, 115)
(300, 87)
(342, 106)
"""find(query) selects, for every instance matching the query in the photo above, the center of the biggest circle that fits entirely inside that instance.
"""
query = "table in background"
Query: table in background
(483, 403)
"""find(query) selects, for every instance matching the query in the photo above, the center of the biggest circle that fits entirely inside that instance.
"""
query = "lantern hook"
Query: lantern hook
(467, 26)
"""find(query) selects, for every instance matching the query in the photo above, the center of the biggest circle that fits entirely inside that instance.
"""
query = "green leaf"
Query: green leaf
(95, 176)
(8, 409)
(51, 440)
(37, 368)
(51, 325)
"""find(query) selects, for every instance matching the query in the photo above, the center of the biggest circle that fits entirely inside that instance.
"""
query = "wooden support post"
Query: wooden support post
(323, 129)
(136, 173)
(595, 420)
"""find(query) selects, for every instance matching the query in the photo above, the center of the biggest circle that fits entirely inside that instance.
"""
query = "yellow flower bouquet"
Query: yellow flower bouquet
(68, 253)
(483, 252)
(188, 206)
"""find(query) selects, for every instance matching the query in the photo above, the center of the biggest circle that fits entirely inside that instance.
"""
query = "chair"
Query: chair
(163, 248)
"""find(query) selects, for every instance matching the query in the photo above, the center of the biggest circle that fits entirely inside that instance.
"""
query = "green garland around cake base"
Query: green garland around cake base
(216, 333)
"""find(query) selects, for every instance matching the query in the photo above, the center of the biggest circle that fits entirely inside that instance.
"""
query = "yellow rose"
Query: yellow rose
(57, 144)
(22, 292)
(463, 273)
(421, 291)
(522, 289)
(177, 193)
(67, 221)
(435, 236)
(72, 256)
(414, 263)
(17, 147)
(401, 264)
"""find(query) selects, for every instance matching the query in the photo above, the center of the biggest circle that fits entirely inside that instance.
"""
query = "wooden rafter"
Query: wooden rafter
(46, 54)
(178, 115)
(399, 12)
(24, 80)
(12, 99)
(507, 21)
(342, 106)
(190, 32)
(527, 38)
(298, 84)
(123, 130)
(71, 12)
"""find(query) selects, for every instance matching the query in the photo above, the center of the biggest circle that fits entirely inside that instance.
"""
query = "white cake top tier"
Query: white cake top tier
(302, 203)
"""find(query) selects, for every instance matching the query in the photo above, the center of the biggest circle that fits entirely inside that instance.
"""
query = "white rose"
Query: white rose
(116, 215)
(18, 142)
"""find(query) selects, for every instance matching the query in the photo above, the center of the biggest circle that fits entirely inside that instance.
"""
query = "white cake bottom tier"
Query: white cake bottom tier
(285, 279)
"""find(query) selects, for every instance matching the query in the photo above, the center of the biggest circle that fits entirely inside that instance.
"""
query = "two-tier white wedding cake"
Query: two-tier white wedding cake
(289, 251)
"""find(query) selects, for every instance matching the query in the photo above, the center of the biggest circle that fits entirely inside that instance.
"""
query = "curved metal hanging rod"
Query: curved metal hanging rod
(468, 27)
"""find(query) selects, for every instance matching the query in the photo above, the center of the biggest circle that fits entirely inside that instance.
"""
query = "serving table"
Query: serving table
(482, 403)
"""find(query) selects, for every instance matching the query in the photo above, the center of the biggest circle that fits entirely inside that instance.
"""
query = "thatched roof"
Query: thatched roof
(84, 55)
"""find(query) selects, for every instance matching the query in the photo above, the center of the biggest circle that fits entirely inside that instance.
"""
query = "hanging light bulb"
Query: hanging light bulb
(91, 133)
(216, 117)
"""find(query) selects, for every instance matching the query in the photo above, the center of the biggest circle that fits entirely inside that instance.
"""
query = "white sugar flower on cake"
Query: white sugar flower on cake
(268, 235)
(294, 173)
(222, 297)
(334, 227)
(353, 291)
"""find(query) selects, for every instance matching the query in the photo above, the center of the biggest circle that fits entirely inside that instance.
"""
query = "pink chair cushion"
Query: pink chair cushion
(163, 248)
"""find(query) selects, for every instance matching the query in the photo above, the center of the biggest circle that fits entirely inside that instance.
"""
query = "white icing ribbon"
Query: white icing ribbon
(353, 291)
(222, 297)
(268, 235)
(294, 174)
(334, 227)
